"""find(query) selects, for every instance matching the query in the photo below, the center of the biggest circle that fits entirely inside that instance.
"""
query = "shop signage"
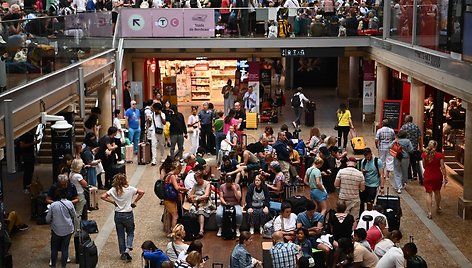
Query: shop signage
(266, 76)
(136, 22)
(96, 82)
(199, 22)
(243, 68)
(312, 52)
(429, 59)
(392, 110)
(168, 23)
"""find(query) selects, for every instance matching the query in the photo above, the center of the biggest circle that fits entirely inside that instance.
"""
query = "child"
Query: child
(219, 135)
(360, 236)
(194, 123)
(305, 244)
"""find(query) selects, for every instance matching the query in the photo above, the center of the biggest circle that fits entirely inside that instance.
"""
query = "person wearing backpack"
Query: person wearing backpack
(297, 104)
(372, 168)
(402, 160)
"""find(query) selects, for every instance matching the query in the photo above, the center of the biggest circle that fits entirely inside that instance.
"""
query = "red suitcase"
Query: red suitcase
(144, 153)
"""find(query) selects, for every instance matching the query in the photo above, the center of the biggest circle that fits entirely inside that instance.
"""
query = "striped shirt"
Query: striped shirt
(350, 179)
(385, 136)
(284, 255)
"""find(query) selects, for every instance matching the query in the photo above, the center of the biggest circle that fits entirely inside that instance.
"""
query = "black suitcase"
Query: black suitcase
(298, 203)
(39, 207)
(192, 228)
(117, 169)
(78, 240)
(228, 231)
(88, 255)
(392, 210)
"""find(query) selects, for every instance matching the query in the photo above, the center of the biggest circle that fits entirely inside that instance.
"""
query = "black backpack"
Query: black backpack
(193, 4)
(296, 101)
(376, 163)
(228, 231)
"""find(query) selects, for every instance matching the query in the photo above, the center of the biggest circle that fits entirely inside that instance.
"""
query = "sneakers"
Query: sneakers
(219, 232)
(399, 191)
(126, 257)
(238, 234)
(153, 162)
(121, 162)
(23, 227)
(251, 230)
(294, 124)
(163, 160)
(261, 229)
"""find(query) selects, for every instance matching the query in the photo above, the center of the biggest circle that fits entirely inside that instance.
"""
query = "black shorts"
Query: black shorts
(114, 16)
(368, 195)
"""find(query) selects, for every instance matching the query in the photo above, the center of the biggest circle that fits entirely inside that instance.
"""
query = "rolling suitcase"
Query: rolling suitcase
(144, 153)
(93, 197)
(357, 143)
(117, 169)
(128, 155)
(78, 239)
(87, 253)
(392, 210)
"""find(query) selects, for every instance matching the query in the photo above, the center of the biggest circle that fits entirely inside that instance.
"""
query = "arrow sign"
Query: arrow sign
(136, 22)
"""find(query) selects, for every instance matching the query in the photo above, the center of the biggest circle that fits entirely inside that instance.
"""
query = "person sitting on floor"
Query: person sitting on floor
(388, 242)
(13, 222)
(286, 222)
(153, 256)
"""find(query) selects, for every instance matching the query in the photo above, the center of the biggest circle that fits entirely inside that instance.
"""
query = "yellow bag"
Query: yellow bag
(167, 130)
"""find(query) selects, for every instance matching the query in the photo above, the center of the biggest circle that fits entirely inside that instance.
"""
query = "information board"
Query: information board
(392, 110)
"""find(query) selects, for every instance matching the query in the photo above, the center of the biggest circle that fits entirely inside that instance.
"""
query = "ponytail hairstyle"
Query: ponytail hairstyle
(177, 232)
(120, 182)
(430, 150)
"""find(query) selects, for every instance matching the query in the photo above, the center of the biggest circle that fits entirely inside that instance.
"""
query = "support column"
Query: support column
(416, 103)
(381, 89)
(354, 77)
(104, 102)
(465, 202)
(289, 67)
(343, 77)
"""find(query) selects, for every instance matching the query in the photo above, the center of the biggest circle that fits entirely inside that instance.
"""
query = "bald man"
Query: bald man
(284, 255)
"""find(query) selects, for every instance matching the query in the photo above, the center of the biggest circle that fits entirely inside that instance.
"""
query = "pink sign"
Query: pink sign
(254, 71)
(136, 22)
(199, 22)
(168, 23)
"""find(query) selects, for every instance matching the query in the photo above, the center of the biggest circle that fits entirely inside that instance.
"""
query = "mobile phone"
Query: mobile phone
(204, 259)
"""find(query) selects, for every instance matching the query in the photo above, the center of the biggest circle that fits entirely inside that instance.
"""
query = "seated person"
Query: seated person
(257, 203)
(228, 144)
(153, 257)
(376, 232)
(62, 183)
(230, 195)
(286, 222)
(358, 255)
(301, 239)
(200, 198)
(313, 222)
(340, 223)
(190, 180)
(229, 165)
(359, 236)
(199, 156)
(260, 148)
(388, 242)
(294, 164)
(372, 210)
(190, 161)
(276, 188)
(396, 257)
(250, 162)
(13, 222)
(284, 128)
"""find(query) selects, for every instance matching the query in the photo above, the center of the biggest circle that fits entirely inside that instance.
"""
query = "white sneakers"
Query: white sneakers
(251, 230)
(219, 232)
(238, 234)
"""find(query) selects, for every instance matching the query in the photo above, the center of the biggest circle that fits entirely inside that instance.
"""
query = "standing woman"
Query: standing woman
(434, 175)
(121, 196)
(61, 215)
(119, 134)
(317, 190)
(227, 92)
(170, 202)
(344, 124)
(80, 183)
(194, 123)
(257, 204)
(400, 168)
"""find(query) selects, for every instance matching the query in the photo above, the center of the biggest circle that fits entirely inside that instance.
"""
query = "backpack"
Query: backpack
(396, 150)
(159, 189)
(376, 163)
(296, 101)
(193, 4)
(283, 28)
(90, 5)
(416, 262)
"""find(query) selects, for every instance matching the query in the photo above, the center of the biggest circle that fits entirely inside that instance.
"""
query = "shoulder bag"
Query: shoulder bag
(169, 191)
(336, 127)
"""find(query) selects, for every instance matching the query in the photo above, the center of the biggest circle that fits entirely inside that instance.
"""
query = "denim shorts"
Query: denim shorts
(318, 195)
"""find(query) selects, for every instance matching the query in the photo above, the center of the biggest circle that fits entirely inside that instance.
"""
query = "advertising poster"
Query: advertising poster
(368, 92)
(253, 80)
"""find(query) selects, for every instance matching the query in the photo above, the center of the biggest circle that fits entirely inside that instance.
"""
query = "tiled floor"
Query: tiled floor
(31, 248)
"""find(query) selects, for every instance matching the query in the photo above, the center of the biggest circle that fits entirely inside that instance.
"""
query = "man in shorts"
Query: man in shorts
(372, 168)
(384, 137)
(250, 162)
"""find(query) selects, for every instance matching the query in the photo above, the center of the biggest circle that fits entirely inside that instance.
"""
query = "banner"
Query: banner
(253, 80)
(368, 92)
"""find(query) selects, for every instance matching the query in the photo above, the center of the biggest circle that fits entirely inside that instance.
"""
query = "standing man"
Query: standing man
(283, 154)
(384, 137)
(127, 95)
(278, 69)
(372, 168)
(133, 124)
(206, 125)
(283, 255)
(227, 92)
(178, 131)
(158, 121)
(350, 183)
(241, 116)
(250, 99)
(27, 143)
(413, 133)
(297, 103)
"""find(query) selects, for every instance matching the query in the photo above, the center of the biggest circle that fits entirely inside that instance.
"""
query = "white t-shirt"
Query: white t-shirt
(383, 246)
(292, 5)
(170, 252)
(156, 121)
(392, 259)
(117, 124)
(125, 200)
(373, 213)
(75, 178)
(190, 181)
(192, 119)
(290, 224)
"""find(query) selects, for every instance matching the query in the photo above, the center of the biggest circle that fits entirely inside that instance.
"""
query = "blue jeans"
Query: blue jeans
(133, 135)
(59, 243)
(298, 114)
(219, 215)
(400, 172)
(219, 136)
(124, 221)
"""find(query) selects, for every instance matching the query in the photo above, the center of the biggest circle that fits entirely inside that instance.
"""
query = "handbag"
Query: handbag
(336, 127)
(169, 191)
(89, 226)
(157, 130)
(268, 229)
(396, 150)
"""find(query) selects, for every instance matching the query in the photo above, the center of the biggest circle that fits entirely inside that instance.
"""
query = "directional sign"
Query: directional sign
(167, 23)
(136, 22)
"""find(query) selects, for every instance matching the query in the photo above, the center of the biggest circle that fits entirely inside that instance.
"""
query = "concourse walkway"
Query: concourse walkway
(441, 241)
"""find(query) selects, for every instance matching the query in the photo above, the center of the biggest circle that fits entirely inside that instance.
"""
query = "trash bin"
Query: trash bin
(310, 114)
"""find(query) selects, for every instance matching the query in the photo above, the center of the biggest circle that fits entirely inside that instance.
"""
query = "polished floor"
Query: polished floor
(442, 241)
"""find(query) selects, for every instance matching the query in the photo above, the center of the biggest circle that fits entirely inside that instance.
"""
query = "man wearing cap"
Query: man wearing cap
(372, 168)
(384, 137)
(350, 182)
(298, 105)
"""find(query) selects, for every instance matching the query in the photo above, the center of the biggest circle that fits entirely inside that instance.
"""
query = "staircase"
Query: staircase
(45, 153)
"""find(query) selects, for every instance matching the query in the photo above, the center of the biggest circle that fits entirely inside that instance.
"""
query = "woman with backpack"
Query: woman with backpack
(402, 160)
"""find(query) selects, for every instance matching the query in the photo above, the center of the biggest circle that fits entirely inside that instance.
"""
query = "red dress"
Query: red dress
(432, 172)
